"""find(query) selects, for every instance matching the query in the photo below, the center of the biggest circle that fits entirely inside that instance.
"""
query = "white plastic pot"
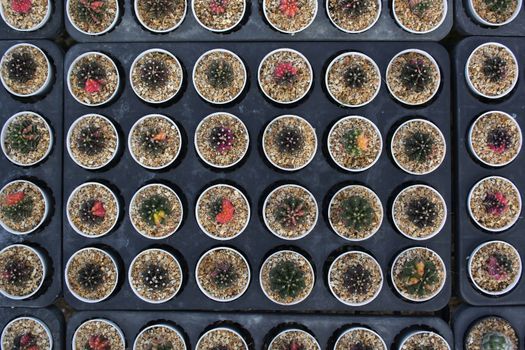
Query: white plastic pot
(102, 320)
(228, 329)
(32, 29)
(330, 16)
(28, 318)
(214, 29)
(160, 325)
(265, 11)
(161, 31)
(110, 27)
(307, 334)
(398, 21)
(472, 12)
(414, 333)
(353, 329)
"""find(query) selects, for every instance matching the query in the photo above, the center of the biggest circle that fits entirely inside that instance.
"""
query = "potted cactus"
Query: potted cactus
(223, 274)
(423, 339)
(353, 16)
(491, 70)
(413, 77)
(25, 70)
(91, 274)
(286, 277)
(23, 271)
(93, 79)
(26, 333)
(92, 209)
(156, 76)
(294, 338)
(156, 211)
(26, 15)
(24, 207)
(495, 267)
(355, 278)
(285, 76)
(419, 212)
(219, 15)
(93, 17)
(92, 141)
(355, 213)
(290, 16)
(418, 147)
(359, 338)
(222, 212)
(154, 141)
(98, 334)
(494, 13)
(160, 16)
(290, 212)
(155, 276)
(418, 274)
(494, 203)
(420, 16)
(219, 76)
(221, 140)
(355, 143)
(491, 333)
(221, 337)
(160, 336)
(289, 142)
(353, 79)
(495, 138)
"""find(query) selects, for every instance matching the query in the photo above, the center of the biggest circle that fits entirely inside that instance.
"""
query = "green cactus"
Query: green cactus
(91, 140)
(91, 11)
(355, 142)
(418, 276)
(18, 206)
(495, 341)
(154, 141)
(287, 279)
(422, 212)
(419, 146)
(158, 9)
(154, 209)
(357, 213)
(291, 212)
(224, 275)
(220, 74)
(23, 136)
(498, 6)
(416, 75)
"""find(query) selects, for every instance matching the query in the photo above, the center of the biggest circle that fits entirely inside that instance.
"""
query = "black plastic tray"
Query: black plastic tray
(255, 28)
(255, 176)
(465, 317)
(468, 26)
(261, 327)
(47, 174)
(50, 30)
(469, 171)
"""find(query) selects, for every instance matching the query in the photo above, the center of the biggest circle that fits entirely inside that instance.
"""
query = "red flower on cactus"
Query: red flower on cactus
(218, 7)
(21, 6)
(98, 209)
(494, 268)
(93, 86)
(289, 8)
(98, 342)
(14, 198)
(97, 5)
(226, 214)
(496, 203)
(285, 73)
(295, 346)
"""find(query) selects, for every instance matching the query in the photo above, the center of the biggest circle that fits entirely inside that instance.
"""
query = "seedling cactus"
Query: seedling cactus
(295, 345)
(355, 76)
(498, 6)
(357, 213)
(18, 206)
(16, 272)
(422, 212)
(499, 140)
(496, 341)
(416, 75)
(418, 7)
(357, 279)
(220, 74)
(495, 68)
(154, 210)
(291, 212)
(287, 279)
(91, 11)
(285, 73)
(154, 141)
(498, 266)
(355, 142)
(159, 8)
(419, 276)
(224, 275)
(154, 73)
(23, 136)
(21, 68)
(290, 140)
(90, 276)
(496, 203)
(419, 146)
(26, 341)
(90, 76)
(92, 212)
(97, 342)
(155, 277)
(222, 139)
(91, 140)
(289, 8)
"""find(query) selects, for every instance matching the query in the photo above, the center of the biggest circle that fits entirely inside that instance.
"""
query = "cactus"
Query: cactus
(161, 346)
(419, 146)
(224, 275)
(418, 7)
(416, 75)
(418, 276)
(291, 212)
(91, 140)
(92, 212)
(290, 140)
(495, 68)
(25, 341)
(154, 210)
(18, 206)
(357, 279)
(357, 213)
(155, 277)
(353, 8)
(97, 342)
(422, 212)
(295, 345)
(91, 11)
(220, 74)
(498, 266)
(154, 141)
(495, 203)
(154, 73)
(499, 139)
(22, 7)
(289, 8)
(158, 9)
(90, 276)
(355, 76)
(360, 346)
(23, 136)
(499, 6)
(222, 139)
(285, 73)
(495, 341)
(218, 7)
(287, 279)
(90, 76)
(16, 272)
(355, 142)
(222, 210)
(21, 67)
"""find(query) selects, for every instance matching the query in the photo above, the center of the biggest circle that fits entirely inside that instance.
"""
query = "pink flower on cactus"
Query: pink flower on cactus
(218, 7)
(21, 6)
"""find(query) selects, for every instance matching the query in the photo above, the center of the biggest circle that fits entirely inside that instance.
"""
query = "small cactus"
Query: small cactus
(357, 279)
(416, 75)
(91, 140)
(18, 206)
(155, 277)
(287, 279)
(22, 7)
(498, 266)
(25, 341)
(90, 277)
(91, 11)
(353, 8)
(154, 141)
(16, 272)
(222, 210)
(290, 140)
(285, 73)
(355, 142)
(357, 213)
(422, 212)
(90, 76)
(224, 275)
(355, 76)
(295, 345)
(289, 8)
(222, 139)
(360, 346)
(220, 74)
(418, 7)
(92, 212)
(154, 210)
(21, 67)
(154, 73)
(97, 342)
(495, 68)
(23, 136)
(218, 7)
(158, 9)
(499, 140)
(419, 276)
(419, 146)
(496, 341)
(498, 6)
(291, 212)
(495, 203)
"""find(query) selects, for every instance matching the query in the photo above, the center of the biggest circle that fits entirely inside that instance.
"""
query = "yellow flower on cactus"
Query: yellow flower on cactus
(158, 217)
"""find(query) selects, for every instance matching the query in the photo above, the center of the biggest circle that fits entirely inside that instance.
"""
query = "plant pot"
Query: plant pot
(292, 19)
(292, 337)
(415, 339)
(35, 74)
(340, 19)
(156, 76)
(494, 203)
(168, 20)
(92, 141)
(359, 335)
(412, 91)
(96, 216)
(106, 330)
(289, 142)
(281, 263)
(222, 212)
(488, 329)
(156, 211)
(223, 274)
(495, 138)
(492, 85)
(86, 263)
(355, 143)
(221, 140)
(219, 76)
(16, 19)
(109, 17)
(415, 19)
(353, 79)
(25, 265)
(495, 22)
(355, 278)
(164, 331)
(228, 16)
(155, 276)
(290, 212)
(93, 79)
(499, 270)
(285, 76)
(35, 332)
(23, 200)
(418, 147)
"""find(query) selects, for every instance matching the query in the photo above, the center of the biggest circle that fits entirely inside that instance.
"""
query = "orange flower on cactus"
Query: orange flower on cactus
(227, 211)
(14, 198)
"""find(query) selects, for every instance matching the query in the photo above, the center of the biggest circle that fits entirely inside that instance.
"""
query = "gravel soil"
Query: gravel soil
(36, 81)
(300, 20)
(360, 336)
(232, 15)
(93, 27)
(25, 21)
(159, 335)
(354, 23)
(428, 340)
(36, 217)
(168, 20)
(284, 339)
(420, 21)
(483, 11)
(473, 338)
(25, 257)
(23, 326)
(221, 338)
(97, 328)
